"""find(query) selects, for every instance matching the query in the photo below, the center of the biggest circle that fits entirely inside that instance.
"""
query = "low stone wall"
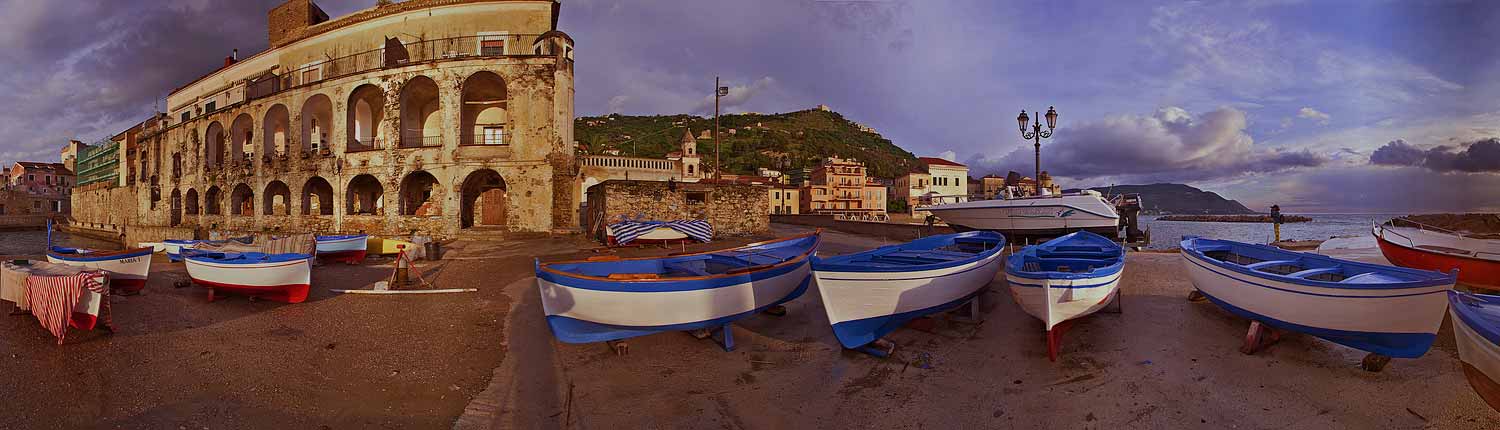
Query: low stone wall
(22, 222)
(137, 234)
(892, 231)
(732, 209)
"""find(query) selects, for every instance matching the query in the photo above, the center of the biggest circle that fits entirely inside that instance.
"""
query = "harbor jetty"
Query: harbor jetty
(1232, 218)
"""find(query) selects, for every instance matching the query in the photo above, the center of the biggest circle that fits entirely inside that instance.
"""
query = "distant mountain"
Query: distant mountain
(1179, 199)
(784, 141)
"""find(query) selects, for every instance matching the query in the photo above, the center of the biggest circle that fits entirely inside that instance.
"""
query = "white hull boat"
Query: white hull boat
(1064, 279)
(127, 268)
(279, 277)
(1051, 215)
(1476, 327)
(870, 294)
(1390, 311)
(347, 248)
(610, 298)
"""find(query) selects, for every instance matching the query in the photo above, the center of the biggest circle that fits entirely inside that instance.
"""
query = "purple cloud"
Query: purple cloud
(1168, 145)
(1478, 156)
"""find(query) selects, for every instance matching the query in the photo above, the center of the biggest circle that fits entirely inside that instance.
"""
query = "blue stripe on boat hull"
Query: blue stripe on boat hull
(1399, 345)
(572, 330)
(857, 333)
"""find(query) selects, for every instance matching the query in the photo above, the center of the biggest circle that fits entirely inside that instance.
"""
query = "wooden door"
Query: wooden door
(492, 207)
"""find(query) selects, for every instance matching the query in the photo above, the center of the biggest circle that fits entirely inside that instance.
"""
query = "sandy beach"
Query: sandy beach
(487, 360)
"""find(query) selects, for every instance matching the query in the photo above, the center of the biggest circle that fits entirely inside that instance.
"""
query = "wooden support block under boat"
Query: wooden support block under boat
(1259, 337)
(1374, 362)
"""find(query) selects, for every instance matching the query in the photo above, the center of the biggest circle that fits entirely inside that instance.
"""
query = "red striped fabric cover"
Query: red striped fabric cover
(53, 298)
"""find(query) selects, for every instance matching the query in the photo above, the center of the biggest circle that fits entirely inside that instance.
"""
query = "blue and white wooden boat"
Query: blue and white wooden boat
(1476, 326)
(174, 247)
(1065, 278)
(870, 294)
(1390, 311)
(611, 298)
(349, 248)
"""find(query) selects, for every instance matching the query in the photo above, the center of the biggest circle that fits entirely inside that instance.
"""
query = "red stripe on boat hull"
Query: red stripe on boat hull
(292, 293)
(1479, 273)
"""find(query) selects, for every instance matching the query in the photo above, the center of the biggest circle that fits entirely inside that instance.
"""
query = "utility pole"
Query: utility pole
(716, 128)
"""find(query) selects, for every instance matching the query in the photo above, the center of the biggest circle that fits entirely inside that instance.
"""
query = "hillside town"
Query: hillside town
(395, 216)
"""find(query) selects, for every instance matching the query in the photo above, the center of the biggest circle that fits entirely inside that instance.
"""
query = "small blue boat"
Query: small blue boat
(869, 294)
(1391, 311)
(1065, 278)
(1476, 327)
(611, 298)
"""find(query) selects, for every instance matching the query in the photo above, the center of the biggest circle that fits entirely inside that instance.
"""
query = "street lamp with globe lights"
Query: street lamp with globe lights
(1038, 134)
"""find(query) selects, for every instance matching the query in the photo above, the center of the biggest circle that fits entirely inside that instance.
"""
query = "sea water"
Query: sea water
(34, 242)
(1168, 234)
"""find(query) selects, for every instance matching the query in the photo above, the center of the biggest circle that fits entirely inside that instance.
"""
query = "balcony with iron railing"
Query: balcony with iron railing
(422, 51)
(364, 145)
(420, 139)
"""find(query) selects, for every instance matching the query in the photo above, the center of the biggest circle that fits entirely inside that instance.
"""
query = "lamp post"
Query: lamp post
(1038, 134)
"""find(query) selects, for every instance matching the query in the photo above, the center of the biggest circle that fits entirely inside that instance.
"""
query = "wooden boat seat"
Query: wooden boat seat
(1314, 272)
(633, 276)
(931, 255)
(1371, 278)
(1271, 263)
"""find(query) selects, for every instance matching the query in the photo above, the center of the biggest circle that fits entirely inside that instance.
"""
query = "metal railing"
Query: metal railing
(361, 145)
(420, 140)
(452, 48)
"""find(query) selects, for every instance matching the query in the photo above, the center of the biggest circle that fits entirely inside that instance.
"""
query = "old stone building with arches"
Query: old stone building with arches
(434, 116)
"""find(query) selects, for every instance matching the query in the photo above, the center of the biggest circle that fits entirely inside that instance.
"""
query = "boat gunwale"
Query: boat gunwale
(339, 238)
(1436, 279)
(849, 267)
(96, 256)
(1380, 237)
(1117, 266)
(1465, 312)
(800, 258)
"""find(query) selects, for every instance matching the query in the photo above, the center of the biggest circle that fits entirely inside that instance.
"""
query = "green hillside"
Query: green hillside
(786, 141)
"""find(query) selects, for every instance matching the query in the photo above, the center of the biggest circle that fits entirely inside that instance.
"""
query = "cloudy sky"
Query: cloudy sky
(1320, 106)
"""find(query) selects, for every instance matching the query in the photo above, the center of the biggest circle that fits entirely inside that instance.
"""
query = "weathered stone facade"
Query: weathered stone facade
(732, 209)
(391, 148)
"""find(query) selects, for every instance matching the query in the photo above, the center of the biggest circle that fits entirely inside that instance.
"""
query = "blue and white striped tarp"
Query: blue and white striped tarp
(628, 231)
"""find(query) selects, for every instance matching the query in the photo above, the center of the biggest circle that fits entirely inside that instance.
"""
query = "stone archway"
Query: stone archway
(176, 208)
(211, 201)
(485, 201)
(365, 196)
(317, 117)
(277, 199)
(366, 111)
(192, 202)
(317, 197)
(421, 195)
(274, 137)
(484, 115)
(242, 201)
(420, 118)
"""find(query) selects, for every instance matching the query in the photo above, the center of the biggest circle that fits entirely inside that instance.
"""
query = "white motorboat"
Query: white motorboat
(1048, 215)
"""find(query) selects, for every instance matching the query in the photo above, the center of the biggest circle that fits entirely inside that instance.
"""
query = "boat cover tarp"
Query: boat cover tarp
(627, 231)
